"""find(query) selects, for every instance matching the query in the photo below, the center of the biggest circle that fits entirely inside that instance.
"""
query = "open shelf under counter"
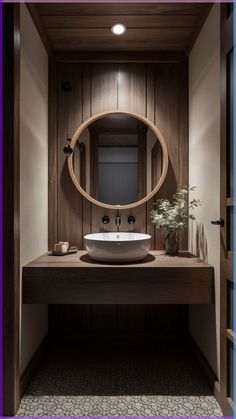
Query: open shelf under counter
(158, 279)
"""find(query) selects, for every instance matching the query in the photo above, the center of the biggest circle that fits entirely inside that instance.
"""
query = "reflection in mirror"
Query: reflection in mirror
(118, 159)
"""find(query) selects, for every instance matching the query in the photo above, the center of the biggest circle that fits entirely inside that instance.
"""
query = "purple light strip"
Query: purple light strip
(234, 208)
(1, 222)
(1, 187)
(119, 1)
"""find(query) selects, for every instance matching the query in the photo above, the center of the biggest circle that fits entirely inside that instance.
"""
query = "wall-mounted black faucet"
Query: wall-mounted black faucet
(106, 220)
(118, 220)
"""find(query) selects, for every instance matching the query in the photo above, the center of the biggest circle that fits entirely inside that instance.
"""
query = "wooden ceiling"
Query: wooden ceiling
(150, 26)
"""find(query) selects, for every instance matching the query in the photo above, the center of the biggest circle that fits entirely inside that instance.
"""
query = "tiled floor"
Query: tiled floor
(161, 380)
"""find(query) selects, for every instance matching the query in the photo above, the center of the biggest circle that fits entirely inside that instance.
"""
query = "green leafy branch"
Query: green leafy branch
(173, 216)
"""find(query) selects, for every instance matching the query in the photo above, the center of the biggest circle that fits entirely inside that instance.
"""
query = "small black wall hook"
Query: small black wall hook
(66, 86)
(67, 149)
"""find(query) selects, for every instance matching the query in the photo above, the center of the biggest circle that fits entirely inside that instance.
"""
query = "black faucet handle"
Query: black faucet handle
(131, 219)
(105, 219)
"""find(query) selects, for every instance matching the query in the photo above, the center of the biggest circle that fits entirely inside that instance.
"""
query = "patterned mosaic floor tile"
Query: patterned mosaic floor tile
(119, 381)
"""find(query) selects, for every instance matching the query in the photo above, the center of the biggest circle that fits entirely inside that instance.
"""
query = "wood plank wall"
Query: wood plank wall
(158, 91)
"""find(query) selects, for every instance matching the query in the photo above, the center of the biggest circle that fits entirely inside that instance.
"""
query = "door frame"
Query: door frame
(226, 203)
(11, 208)
(11, 212)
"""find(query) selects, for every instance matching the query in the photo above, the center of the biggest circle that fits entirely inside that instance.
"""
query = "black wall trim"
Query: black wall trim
(11, 203)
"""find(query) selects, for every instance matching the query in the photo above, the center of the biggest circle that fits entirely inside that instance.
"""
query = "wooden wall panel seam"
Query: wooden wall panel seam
(149, 82)
(120, 57)
(129, 69)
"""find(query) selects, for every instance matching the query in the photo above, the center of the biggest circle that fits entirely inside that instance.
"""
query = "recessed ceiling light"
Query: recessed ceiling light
(118, 29)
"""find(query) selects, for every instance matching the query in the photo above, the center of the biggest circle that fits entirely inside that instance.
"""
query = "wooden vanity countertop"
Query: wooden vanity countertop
(158, 279)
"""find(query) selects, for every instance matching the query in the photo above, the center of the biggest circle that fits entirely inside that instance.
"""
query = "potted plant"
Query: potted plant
(170, 217)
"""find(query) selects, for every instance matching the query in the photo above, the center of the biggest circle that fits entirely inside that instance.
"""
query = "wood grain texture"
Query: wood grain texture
(150, 110)
(160, 27)
(103, 97)
(86, 113)
(183, 177)
(132, 88)
(76, 320)
(69, 207)
(11, 208)
(167, 103)
(52, 156)
(85, 9)
(226, 269)
(145, 89)
(131, 97)
(153, 39)
(107, 21)
(119, 57)
(103, 88)
(159, 279)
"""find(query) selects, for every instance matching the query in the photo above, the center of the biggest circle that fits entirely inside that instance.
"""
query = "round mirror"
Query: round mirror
(119, 159)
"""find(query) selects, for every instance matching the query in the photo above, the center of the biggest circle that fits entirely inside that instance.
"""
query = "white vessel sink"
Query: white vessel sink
(117, 247)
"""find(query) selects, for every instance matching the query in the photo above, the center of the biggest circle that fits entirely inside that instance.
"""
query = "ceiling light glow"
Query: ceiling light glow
(118, 29)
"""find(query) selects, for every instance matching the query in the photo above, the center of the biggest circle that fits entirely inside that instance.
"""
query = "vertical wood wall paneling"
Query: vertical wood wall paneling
(52, 155)
(71, 319)
(166, 118)
(158, 91)
(86, 113)
(150, 113)
(183, 139)
(69, 201)
(132, 97)
(103, 98)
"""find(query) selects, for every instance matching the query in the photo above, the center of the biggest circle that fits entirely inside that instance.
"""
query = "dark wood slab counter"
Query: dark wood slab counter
(158, 279)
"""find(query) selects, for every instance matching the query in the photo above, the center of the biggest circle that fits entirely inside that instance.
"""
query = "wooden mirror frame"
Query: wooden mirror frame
(156, 131)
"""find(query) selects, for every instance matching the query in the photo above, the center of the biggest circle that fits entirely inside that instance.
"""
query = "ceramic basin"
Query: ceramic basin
(117, 247)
